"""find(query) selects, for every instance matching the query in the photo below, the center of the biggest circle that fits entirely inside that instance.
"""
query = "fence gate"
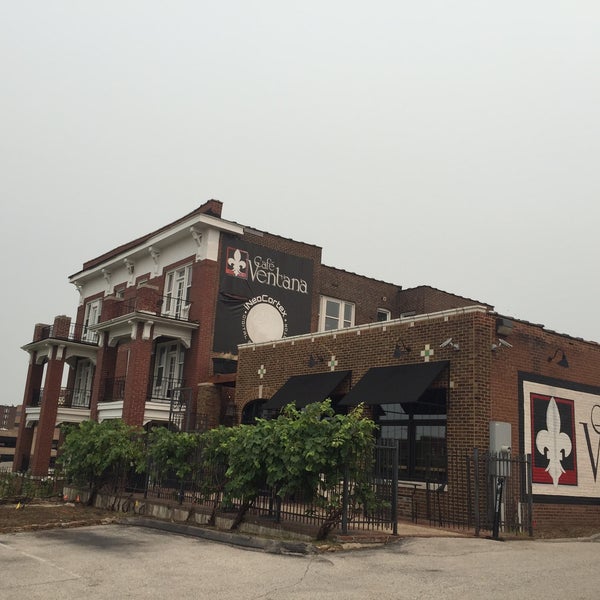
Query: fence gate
(500, 496)
(383, 487)
(483, 491)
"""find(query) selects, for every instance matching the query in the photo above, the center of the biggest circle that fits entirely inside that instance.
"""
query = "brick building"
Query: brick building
(444, 382)
(160, 318)
(8, 436)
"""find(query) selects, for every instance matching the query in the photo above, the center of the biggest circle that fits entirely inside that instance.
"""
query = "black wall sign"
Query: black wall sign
(264, 295)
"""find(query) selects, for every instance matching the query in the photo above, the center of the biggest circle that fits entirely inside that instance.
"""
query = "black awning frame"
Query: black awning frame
(302, 390)
(394, 384)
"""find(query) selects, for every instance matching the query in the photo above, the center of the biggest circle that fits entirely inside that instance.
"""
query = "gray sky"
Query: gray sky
(454, 144)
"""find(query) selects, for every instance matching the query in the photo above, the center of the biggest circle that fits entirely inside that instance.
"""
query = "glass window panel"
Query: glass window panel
(348, 312)
(430, 449)
(332, 309)
(330, 323)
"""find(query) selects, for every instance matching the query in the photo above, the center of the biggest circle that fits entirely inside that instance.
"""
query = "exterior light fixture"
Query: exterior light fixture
(563, 362)
(314, 360)
(400, 348)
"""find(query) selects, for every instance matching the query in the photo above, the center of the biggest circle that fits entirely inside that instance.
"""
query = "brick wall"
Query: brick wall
(366, 293)
(425, 299)
(358, 349)
(483, 382)
(532, 347)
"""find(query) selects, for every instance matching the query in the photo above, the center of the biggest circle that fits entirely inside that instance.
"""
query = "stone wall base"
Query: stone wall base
(129, 505)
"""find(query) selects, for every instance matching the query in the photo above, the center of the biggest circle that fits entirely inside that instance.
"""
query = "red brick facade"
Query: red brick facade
(483, 378)
(125, 378)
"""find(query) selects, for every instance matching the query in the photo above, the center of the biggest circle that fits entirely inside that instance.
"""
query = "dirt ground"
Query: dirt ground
(44, 515)
(48, 514)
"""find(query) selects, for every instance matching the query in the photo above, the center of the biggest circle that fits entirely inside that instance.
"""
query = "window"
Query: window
(176, 302)
(91, 317)
(383, 314)
(421, 431)
(168, 371)
(83, 384)
(335, 314)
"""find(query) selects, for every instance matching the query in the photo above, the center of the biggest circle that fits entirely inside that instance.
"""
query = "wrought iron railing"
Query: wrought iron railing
(162, 389)
(113, 389)
(180, 411)
(75, 333)
(175, 308)
(166, 389)
(67, 398)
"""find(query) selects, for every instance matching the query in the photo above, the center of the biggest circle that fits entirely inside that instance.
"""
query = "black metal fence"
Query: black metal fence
(368, 504)
(24, 486)
(502, 498)
(482, 492)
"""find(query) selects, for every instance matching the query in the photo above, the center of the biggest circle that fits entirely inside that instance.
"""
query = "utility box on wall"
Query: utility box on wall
(500, 437)
(500, 448)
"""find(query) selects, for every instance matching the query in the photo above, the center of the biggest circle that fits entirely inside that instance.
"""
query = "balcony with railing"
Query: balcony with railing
(146, 301)
(67, 398)
(113, 389)
(162, 389)
(166, 389)
(75, 332)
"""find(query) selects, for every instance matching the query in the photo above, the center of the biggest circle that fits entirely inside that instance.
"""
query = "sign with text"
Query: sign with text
(264, 295)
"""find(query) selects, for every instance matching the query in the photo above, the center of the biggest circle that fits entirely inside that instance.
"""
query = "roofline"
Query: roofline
(544, 328)
(431, 287)
(376, 325)
(125, 251)
(396, 285)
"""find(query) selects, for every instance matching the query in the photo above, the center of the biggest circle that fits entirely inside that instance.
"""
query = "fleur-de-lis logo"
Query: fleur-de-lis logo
(554, 444)
(236, 264)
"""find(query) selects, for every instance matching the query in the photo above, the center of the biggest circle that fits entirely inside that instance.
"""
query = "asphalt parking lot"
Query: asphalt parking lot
(125, 561)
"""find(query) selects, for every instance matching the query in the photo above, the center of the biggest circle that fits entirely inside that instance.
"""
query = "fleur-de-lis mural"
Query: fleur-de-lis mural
(554, 444)
(236, 263)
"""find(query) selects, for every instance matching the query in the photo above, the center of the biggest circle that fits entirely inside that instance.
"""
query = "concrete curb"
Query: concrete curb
(226, 537)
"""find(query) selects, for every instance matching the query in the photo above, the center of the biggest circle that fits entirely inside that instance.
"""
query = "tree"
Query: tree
(173, 453)
(306, 453)
(94, 454)
(315, 451)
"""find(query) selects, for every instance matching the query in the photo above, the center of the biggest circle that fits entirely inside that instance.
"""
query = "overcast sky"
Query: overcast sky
(453, 144)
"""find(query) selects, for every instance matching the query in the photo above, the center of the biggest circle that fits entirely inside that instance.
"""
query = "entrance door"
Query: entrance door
(83, 384)
(91, 317)
(168, 370)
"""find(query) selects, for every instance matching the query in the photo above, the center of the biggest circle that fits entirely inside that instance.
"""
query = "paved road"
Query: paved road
(120, 561)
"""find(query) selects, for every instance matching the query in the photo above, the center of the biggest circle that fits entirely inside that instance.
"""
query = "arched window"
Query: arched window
(252, 411)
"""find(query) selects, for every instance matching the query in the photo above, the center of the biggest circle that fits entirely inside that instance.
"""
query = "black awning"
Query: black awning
(305, 389)
(389, 385)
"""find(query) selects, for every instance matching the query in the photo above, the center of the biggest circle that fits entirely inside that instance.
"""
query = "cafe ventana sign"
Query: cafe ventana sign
(264, 295)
